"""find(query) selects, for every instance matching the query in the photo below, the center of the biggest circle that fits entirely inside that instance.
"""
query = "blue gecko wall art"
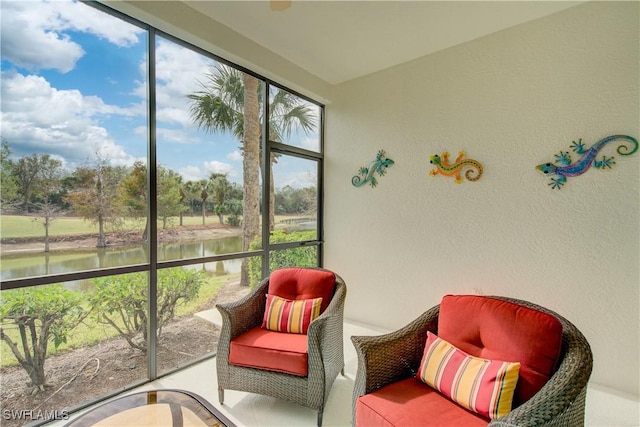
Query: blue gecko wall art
(564, 168)
(366, 175)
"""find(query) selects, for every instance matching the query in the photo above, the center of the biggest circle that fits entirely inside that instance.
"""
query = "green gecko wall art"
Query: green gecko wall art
(443, 167)
(366, 175)
(564, 168)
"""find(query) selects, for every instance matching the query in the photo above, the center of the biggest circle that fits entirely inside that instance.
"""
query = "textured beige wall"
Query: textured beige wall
(511, 100)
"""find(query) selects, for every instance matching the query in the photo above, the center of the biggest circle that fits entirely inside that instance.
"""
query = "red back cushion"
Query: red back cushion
(500, 330)
(303, 283)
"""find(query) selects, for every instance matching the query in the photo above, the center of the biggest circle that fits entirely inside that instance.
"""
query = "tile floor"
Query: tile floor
(604, 407)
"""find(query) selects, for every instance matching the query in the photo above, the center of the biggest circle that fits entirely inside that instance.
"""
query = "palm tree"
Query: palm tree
(192, 190)
(230, 101)
(220, 187)
(204, 195)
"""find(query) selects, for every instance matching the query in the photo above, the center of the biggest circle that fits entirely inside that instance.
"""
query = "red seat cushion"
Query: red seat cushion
(412, 403)
(303, 283)
(500, 330)
(275, 351)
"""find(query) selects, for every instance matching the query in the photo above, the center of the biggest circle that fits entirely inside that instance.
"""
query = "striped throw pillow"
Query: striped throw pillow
(480, 385)
(293, 316)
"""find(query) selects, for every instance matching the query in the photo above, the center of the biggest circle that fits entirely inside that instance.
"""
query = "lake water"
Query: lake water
(22, 265)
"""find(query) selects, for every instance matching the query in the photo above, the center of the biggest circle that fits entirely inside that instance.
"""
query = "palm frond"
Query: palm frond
(218, 106)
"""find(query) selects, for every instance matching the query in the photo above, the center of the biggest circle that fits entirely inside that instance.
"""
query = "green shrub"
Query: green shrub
(40, 314)
(234, 220)
(304, 256)
(121, 301)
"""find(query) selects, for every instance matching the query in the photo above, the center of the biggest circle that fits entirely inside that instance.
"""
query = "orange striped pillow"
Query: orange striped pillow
(293, 316)
(480, 385)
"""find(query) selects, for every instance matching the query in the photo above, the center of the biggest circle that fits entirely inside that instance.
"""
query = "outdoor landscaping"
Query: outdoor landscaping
(87, 371)
(65, 344)
(62, 346)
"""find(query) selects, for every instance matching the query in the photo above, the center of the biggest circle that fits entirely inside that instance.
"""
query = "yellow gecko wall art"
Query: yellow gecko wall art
(473, 167)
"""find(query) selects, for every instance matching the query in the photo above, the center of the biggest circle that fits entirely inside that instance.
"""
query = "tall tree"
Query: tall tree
(204, 195)
(169, 197)
(192, 191)
(230, 101)
(132, 195)
(48, 182)
(26, 175)
(250, 170)
(96, 198)
(220, 186)
(8, 186)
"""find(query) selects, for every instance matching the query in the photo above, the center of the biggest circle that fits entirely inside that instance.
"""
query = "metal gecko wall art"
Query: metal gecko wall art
(474, 169)
(564, 168)
(366, 175)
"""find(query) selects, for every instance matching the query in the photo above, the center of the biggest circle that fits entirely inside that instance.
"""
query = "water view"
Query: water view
(30, 264)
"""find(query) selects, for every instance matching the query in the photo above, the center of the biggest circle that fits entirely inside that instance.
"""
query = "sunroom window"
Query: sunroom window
(141, 185)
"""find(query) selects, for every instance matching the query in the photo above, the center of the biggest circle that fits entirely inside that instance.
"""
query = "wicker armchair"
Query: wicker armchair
(561, 401)
(324, 344)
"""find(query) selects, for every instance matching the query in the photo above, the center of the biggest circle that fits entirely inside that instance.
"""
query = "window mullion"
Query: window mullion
(152, 210)
(266, 179)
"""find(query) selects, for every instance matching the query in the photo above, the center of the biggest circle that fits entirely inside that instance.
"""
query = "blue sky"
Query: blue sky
(73, 85)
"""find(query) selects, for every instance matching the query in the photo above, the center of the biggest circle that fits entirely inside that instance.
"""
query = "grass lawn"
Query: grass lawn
(14, 226)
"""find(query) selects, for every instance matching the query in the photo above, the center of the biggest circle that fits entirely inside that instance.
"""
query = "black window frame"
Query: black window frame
(153, 264)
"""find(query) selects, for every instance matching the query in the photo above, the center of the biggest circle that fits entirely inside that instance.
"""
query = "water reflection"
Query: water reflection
(17, 266)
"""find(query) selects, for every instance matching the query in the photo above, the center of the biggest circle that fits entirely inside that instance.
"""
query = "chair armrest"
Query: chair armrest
(244, 314)
(325, 333)
(561, 400)
(333, 314)
(387, 358)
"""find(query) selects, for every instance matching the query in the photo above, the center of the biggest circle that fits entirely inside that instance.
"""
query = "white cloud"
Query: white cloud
(174, 136)
(215, 166)
(41, 26)
(39, 118)
(300, 179)
(192, 173)
(311, 143)
(177, 73)
(81, 17)
(235, 155)
(195, 173)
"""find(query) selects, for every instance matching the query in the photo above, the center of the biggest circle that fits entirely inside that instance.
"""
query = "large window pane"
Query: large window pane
(295, 200)
(193, 332)
(75, 198)
(90, 350)
(208, 146)
(294, 257)
(293, 120)
(74, 125)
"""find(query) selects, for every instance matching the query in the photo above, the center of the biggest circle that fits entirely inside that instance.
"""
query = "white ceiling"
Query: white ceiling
(341, 40)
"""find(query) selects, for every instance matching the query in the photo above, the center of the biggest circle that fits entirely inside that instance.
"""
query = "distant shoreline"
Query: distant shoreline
(115, 239)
